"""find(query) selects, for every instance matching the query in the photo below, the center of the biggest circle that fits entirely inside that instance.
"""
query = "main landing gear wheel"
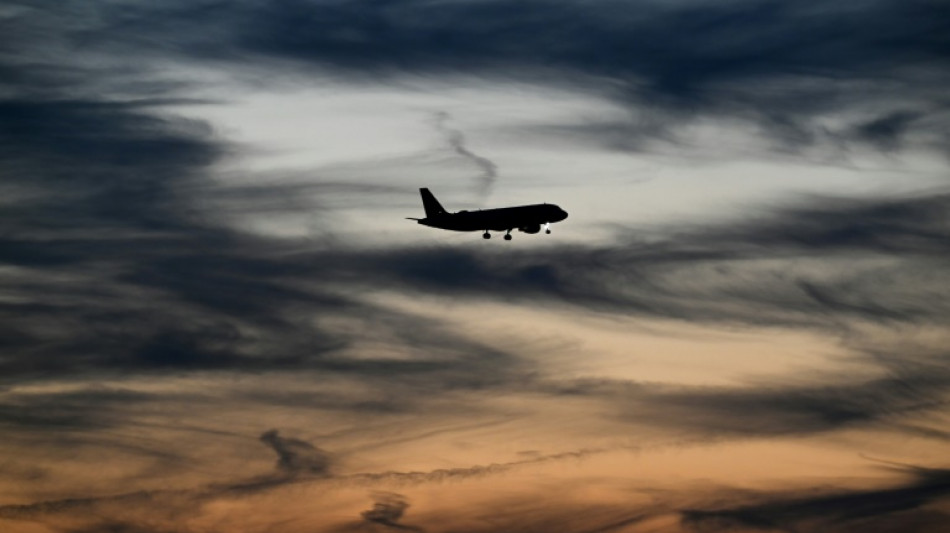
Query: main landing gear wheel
(486, 235)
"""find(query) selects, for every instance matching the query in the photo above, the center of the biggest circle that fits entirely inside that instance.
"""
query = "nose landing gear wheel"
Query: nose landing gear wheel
(507, 236)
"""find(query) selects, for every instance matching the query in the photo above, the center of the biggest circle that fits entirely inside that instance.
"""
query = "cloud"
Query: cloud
(118, 258)
(118, 527)
(388, 510)
(300, 463)
(821, 510)
(103, 226)
(904, 506)
(115, 272)
(826, 266)
(297, 456)
(784, 69)
(888, 132)
(119, 261)
(793, 407)
(97, 165)
(117, 264)
(456, 140)
(94, 407)
(186, 294)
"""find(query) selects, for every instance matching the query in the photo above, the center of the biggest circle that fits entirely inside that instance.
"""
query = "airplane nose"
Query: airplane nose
(562, 214)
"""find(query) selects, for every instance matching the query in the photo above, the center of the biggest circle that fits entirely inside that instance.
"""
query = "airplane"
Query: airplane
(527, 218)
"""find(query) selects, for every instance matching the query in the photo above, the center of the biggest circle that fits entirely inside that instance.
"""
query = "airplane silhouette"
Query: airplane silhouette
(527, 218)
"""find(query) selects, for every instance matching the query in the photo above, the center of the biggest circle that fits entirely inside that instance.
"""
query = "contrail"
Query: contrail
(456, 140)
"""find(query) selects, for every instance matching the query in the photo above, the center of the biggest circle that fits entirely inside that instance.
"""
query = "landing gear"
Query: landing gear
(486, 235)
(547, 228)
(508, 235)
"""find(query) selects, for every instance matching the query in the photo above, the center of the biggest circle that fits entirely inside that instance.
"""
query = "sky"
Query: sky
(214, 315)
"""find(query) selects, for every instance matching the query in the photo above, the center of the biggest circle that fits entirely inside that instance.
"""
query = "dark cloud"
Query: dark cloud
(677, 47)
(906, 504)
(112, 256)
(95, 165)
(126, 277)
(793, 407)
(387, 510)
(888, 132)
(170, 501)
(904, 508)
(828, 264)
(913, 225)
(119, 527)
(780, 67)
(559, 510)
(296, 456)
(115, 265)
(820, 266)
(92, 408)
(120, 265)
(299, 463)
(181, 293)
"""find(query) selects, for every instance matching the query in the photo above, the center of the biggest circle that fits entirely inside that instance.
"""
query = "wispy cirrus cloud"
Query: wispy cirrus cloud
(388, 510)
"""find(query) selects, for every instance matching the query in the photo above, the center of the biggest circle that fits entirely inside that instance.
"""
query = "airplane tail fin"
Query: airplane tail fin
(431, 205)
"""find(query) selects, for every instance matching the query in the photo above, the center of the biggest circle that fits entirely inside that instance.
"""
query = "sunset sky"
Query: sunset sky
(215, 317)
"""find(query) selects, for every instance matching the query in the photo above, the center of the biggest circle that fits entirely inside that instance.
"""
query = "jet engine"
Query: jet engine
(533, 228)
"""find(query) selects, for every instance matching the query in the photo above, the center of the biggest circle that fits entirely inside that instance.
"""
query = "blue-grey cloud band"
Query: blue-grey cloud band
(689, 59)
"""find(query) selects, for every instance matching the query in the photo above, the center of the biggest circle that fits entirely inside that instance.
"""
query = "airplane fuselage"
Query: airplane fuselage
(526, 218)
